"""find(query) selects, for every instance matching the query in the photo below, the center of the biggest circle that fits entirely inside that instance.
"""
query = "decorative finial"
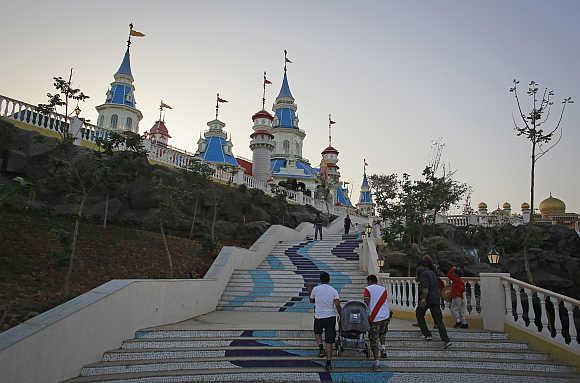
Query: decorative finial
(330, 123)
(365, 167)
(163, 105)
(286, 59)
(217, 105)
(266, 81)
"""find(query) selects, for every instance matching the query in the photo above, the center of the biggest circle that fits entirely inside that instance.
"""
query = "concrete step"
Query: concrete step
(393, 354)
(459, 334)
(182, 342)
(339, 374)
(123, 367)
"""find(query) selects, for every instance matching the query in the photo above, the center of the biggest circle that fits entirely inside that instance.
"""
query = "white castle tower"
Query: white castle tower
(365, 204)
(119, 112)
(262, 145)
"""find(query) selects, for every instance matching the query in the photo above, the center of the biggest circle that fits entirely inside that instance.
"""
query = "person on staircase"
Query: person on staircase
(347, 223)
(458, 307)
(326, 306)
(375, 296)
(430, 299)
(318, 226)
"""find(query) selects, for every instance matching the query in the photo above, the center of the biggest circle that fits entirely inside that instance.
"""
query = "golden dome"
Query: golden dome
(506, 205)
(552, 206)
(525, 206)
(482, 205)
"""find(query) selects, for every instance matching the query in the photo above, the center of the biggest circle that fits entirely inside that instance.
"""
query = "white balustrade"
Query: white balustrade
(542, 319)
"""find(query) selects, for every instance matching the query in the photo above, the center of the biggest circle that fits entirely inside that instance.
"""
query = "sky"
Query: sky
(394, 75)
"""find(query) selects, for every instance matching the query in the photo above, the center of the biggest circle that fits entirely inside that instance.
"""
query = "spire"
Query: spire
(285, 89)
(125, 68)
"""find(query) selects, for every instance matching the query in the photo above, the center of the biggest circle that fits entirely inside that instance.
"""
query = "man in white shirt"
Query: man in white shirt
(375, 296)
(326, 306)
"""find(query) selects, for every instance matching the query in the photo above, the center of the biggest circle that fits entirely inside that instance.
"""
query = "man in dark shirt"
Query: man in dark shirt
(430, 300)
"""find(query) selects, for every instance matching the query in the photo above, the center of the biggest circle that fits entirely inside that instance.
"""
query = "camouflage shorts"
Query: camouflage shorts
(377, 334)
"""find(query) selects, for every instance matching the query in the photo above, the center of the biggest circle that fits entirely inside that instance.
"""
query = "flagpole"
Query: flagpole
(129, 41)
(285, 59)
(217, 103)
(160, 109)
(264, 93)
(329, 134)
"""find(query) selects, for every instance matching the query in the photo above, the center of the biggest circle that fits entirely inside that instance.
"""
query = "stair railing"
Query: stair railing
(543, 313)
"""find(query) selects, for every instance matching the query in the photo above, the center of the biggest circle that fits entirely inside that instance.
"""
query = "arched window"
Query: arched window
(100, 123)
(114, 119)
(129, 124)
(297, 148)
(286, 147)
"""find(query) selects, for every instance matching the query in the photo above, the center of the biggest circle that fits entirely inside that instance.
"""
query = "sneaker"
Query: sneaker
(465, 325)
(428, 338)
(447, 345)
(328, 365)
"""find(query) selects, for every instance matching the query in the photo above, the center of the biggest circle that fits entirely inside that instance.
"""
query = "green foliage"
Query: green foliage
(64, 90)
(408, 204)
(18, 191)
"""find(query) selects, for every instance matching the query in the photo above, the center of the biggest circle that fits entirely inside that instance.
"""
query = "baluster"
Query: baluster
(508, 301)
(416, 294)
(531, 311)
(557, 321)
(21, 116)
(571, 324)
(519, 307)
(3, 103)
(471, 301)
(544, 316)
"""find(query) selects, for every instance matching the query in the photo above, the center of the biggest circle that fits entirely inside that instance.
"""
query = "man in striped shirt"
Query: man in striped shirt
(375, 296)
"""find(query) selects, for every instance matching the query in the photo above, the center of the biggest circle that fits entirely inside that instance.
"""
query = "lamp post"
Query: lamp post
(369, 230)
(380, 264)
(493, 257)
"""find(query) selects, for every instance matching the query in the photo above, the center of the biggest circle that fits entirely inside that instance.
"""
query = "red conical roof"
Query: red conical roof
(262, 114)
(160, 128)
(261, 131)
(330, 149)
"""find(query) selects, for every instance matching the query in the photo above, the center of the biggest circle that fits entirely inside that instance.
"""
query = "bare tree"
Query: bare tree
(542, 140)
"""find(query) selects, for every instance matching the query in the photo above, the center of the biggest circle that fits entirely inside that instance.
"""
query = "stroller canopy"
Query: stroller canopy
(354, 316)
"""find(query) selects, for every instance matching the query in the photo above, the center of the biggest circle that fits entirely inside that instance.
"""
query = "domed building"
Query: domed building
(553, 212)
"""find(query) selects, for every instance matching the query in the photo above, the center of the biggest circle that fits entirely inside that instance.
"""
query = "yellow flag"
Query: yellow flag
(136, 33)
(164, 105)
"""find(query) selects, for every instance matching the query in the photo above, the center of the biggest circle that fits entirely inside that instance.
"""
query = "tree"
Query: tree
(76, 175)
(171, 210)
(197, 178)
(384, 189)
(63, 89)
(532, 128)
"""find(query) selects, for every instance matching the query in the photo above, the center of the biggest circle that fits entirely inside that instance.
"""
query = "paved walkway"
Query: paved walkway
(248, 320)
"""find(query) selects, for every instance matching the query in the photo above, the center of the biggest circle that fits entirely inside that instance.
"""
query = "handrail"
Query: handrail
(542, 290)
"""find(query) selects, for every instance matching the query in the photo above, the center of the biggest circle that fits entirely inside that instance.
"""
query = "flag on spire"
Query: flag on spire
(331, 122)
(164, 105)
(221, 99)
(365, 162)
(266, 81)
(135, 33)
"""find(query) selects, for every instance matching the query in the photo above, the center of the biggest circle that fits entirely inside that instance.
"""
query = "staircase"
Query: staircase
(261, 332)
(280, 282)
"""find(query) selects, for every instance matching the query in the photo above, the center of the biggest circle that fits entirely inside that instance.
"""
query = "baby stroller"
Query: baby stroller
(352, 328)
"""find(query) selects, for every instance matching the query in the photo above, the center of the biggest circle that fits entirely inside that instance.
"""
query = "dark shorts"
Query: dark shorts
(329, 327)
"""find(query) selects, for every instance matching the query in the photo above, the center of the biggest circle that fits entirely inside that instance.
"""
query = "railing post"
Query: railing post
(492, 300)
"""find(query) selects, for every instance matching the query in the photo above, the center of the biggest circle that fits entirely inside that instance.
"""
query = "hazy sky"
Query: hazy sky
(395, 75)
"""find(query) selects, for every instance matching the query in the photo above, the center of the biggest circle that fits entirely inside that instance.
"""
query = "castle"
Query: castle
(276, 142)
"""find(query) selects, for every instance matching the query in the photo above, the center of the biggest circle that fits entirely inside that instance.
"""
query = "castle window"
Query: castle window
(286, 147)
(100, 123)
(114, 119)
(297, 149)
(129, 124)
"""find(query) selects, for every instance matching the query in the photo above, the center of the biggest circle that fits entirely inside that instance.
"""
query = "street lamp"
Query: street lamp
(369, 230)
(380, 264)
(493, 257)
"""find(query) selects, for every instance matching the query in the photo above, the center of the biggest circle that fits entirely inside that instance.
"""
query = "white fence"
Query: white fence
(20, 111)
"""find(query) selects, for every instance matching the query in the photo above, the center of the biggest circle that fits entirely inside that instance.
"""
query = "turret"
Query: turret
(119, 112)
(262, 145)
(365, 203)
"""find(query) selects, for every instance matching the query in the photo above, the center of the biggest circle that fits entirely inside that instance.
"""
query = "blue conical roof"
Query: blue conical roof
(285, 90)
(125, 67)
(365, 183)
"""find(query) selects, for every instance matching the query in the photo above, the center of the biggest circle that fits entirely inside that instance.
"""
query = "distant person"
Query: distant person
(318, 226)
(458, 306)
(326, 306)
(375, 296)
(347, 223)
(430, 299)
